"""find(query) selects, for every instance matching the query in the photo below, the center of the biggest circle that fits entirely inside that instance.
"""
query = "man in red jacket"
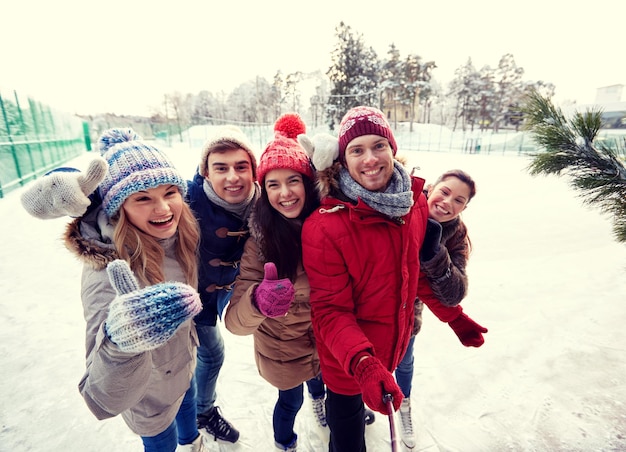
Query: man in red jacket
(361, 254)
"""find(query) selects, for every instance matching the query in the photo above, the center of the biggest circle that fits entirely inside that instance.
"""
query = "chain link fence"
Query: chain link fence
(35, 138)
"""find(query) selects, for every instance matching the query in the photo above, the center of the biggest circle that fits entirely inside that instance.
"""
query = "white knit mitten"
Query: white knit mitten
(63, 192)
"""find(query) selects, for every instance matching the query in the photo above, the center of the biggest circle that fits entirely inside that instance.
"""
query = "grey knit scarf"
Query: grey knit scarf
(241, 209)
(395, 201)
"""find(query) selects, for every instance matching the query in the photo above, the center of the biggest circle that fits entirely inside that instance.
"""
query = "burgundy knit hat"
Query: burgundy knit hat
(284, 152)
(359, 121)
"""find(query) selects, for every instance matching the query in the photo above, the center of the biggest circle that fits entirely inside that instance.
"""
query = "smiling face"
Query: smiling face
(448, 199)
(285, 191)
(369, 160)
(230, 174)
(155, 211)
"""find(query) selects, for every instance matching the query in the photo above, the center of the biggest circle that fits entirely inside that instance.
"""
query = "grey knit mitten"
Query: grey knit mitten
(64, 191)
(144, 319)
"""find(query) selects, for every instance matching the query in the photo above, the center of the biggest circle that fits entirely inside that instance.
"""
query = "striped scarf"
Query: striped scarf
(395, 202)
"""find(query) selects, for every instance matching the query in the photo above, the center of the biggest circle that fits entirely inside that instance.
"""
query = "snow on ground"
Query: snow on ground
(546, 278)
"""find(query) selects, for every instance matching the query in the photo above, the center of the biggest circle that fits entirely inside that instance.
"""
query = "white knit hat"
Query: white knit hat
(224, 135)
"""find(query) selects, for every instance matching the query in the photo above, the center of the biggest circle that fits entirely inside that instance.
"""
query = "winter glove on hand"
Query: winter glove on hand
(432, 240)
(274, 296)
(375, 381)
(469, 332)
(144, 319)
(64, 192)
(322, 149)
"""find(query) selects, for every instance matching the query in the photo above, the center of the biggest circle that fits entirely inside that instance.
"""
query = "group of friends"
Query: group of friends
(325, 251)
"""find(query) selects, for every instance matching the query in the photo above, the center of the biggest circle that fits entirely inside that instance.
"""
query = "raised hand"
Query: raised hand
(469, 332)
(274, 296)
(64, 191)
(144, 319)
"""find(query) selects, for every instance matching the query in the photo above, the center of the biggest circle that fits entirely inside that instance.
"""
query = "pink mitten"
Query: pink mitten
(274, 296)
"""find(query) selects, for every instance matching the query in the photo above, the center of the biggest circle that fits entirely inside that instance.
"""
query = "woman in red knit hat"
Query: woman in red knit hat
(271, 295)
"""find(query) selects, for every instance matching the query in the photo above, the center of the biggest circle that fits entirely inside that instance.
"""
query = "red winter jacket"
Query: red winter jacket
(363, 269)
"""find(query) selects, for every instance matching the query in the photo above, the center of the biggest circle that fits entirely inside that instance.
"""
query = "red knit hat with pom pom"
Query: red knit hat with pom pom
(284, 151)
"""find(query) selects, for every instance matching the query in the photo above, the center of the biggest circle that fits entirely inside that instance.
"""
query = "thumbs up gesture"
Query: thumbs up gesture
(274, 296)
(143, 319)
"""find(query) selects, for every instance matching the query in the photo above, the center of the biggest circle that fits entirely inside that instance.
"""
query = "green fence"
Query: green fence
(34, 138)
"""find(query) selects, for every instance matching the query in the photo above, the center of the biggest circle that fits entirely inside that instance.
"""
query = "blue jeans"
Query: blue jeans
(210, 360)
(183, 430)
(287, 406)
(404, 371)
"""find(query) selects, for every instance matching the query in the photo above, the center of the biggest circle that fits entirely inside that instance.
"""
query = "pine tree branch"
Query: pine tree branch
(570, 148)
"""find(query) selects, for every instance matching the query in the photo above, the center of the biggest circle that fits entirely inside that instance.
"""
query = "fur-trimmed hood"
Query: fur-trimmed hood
(255, 232)
(83, 239)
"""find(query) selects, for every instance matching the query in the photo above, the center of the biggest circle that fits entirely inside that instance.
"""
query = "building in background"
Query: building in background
(613, 104)
(611, 100)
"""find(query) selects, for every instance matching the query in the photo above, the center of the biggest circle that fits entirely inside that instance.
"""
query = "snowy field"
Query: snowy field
(546, 278)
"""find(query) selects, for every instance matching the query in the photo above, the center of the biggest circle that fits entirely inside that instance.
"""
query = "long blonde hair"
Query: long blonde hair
(144, 254)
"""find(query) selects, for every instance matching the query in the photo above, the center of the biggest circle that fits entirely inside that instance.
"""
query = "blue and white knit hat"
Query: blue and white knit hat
(133, 166)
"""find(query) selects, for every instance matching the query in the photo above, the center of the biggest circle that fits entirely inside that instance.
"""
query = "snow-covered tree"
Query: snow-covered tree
(416, 87)
(263, 98)
(441, 108)
(354, 74)
(318, 100)
(570, 148)
(465, 89)
(278, 93)
(508, 82)
(485, 97)
(292, 92)
(179, 107)
(392, 80)
(204, 108)
(242, 103)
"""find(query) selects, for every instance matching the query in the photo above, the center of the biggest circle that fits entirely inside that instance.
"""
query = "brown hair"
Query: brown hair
(145, 255)
(463, 177)
(281, 238)
(222, 146)
(466, 179)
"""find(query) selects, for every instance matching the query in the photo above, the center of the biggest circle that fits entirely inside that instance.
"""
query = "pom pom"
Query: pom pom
(290, 125)
(111, 137)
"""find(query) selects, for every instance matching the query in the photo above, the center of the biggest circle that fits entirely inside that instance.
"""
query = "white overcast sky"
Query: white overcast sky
(122, 56)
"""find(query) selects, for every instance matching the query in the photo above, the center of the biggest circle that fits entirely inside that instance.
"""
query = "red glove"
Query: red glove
(469, 332)
(274, 296)
(375, 381)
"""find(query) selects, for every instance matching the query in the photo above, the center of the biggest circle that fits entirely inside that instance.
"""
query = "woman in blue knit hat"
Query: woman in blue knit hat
(139, 295)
